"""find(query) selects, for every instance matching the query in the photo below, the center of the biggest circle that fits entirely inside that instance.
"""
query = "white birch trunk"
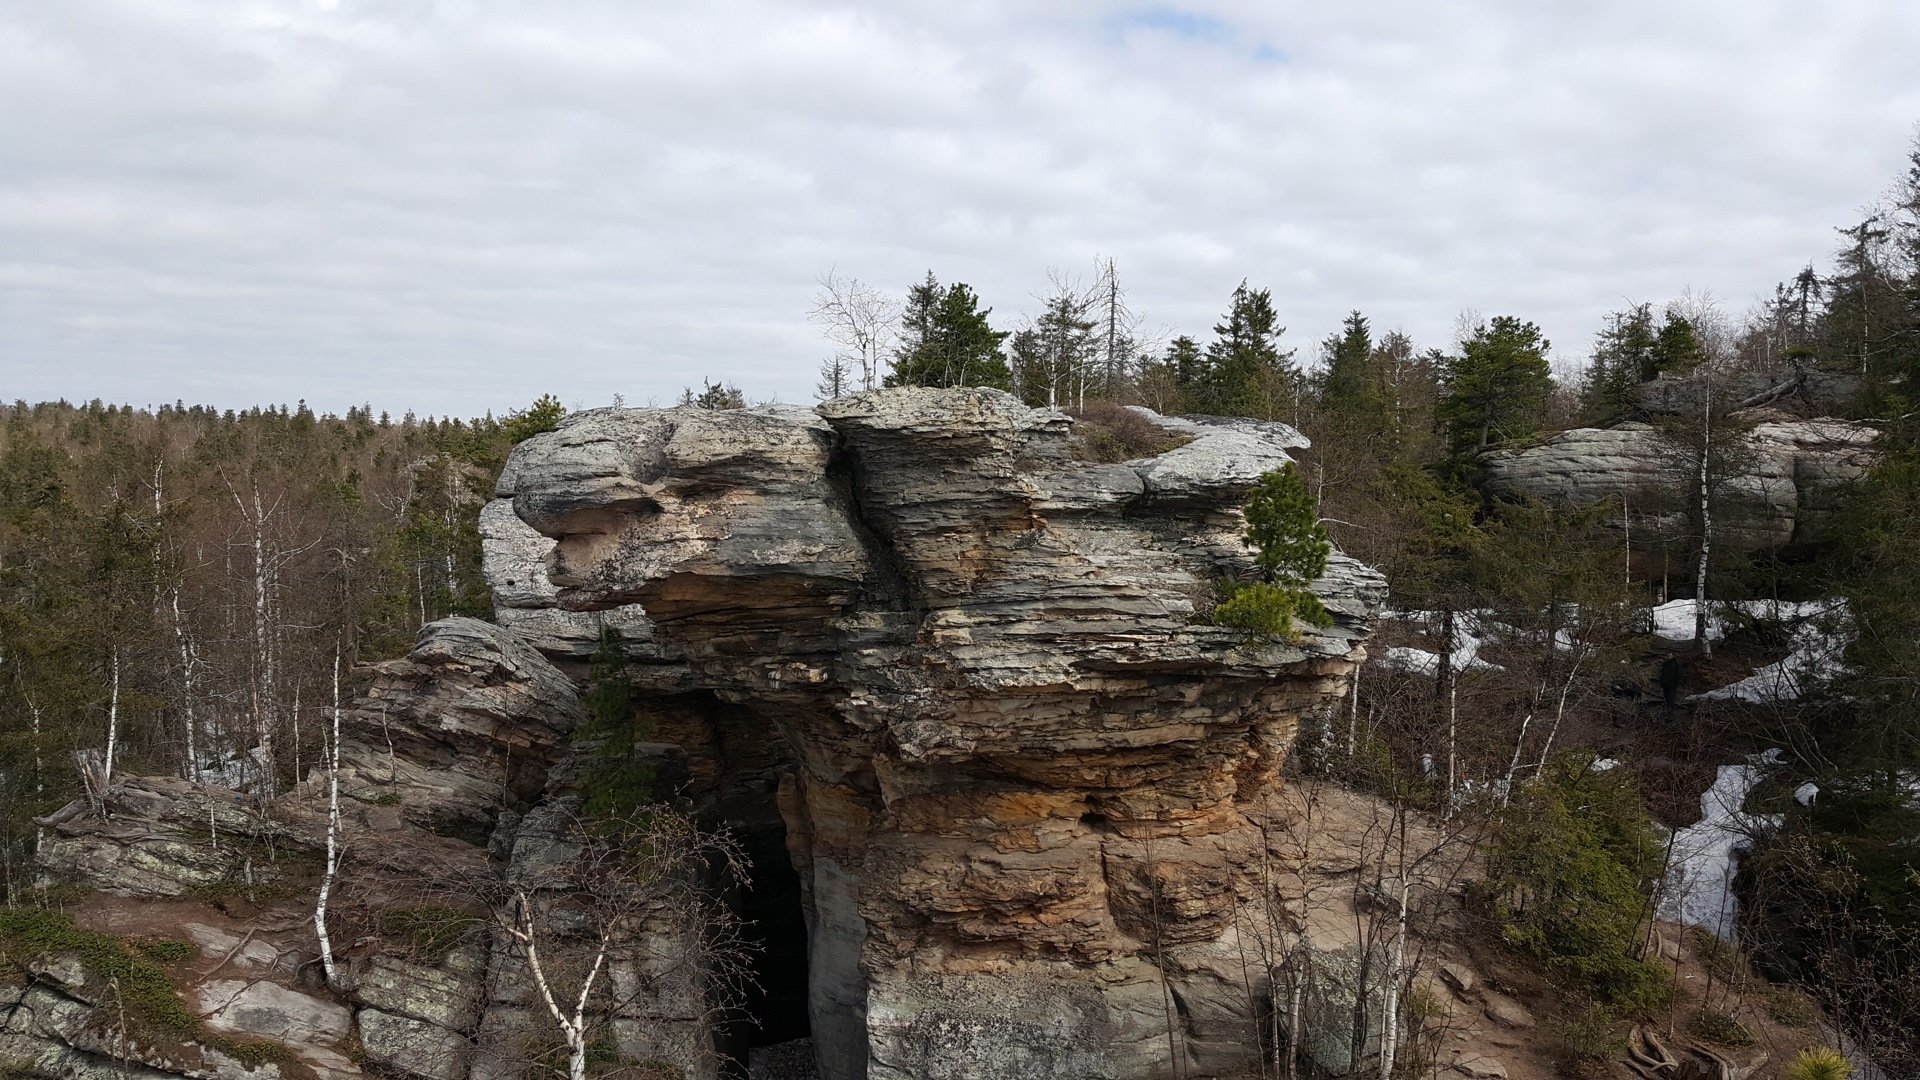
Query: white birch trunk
(188, 661)
(333, 832)
(1390, 1020)
(1706, 534)
(113, 724)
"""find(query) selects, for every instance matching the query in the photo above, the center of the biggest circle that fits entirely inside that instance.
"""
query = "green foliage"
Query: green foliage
(1244, 371)
(617, 782)
(1356, 391)
(1497, 388)
(947, 341)
(28, 933)
(431, 933)
(251, 1053)
(1569, 869)
(168, 952)
(1283, 528)
(1268, 611)
(1589, 1036)
(1714, 1025)
(541, 416)
(1819, 1063)
(713, 395)
(1291, 548)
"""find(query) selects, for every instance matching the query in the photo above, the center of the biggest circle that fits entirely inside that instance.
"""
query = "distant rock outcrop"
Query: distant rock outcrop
(1026, 770)
(1791, 463)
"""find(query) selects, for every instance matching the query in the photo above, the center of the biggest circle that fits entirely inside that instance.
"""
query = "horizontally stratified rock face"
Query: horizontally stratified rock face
(1791, 463)
(1025, 774)
(527, 603)
(440, 747)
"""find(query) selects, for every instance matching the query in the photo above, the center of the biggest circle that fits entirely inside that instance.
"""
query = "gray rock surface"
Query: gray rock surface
(413, 1047)
(466, 725)
(1793, 463)
(153, 839)
(525, 601)
(260, 1009)
(1019, 754)
(1336, 991)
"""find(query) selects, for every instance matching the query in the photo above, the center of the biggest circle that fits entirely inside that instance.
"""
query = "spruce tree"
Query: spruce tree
(1497, 387)
(946, 340)
(1246, 372)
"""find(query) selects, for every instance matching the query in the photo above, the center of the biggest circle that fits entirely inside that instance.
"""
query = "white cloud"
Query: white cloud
(454, 206)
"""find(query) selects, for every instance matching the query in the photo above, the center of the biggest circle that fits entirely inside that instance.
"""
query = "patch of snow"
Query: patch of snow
(1605, 764)
(1806, 793)
(1470, 633)
(1698, 890)
(1820, 632)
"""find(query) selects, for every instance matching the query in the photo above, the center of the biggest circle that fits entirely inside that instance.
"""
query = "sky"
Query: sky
(453, 206)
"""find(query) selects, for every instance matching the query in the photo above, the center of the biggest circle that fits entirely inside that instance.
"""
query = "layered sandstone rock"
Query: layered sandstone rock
(1027, 772)
(440, 754)
(1787, 466)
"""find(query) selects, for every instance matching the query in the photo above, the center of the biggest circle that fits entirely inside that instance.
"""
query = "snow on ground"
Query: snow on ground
(1698, 889)
(1820, 631)
(1470, 633)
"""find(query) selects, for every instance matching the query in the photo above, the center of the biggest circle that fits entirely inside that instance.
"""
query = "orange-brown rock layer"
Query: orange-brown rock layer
(1025, 767)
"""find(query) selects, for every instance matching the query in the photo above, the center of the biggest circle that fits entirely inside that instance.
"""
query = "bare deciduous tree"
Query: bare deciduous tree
(858, 318)
(619, 913)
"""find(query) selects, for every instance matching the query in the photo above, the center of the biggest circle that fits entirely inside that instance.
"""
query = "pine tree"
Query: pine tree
(1497, 387)
(1355, 400)
(1246, 372)
(946, 340)
(1291, 547)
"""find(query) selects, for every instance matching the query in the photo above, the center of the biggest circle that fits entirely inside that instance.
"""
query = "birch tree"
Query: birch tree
(858, 318)
(617, 912)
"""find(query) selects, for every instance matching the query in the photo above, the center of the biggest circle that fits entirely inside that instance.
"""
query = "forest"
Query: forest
(177, 585)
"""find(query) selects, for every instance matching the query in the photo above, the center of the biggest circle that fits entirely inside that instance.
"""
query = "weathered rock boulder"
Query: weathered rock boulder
(526, 602)
(462, 728)
(1027, 768)
(1788, 466)
(441, 748)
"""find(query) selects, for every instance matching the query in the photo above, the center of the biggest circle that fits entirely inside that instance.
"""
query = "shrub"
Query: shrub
(1569, 870)
(1716, 1026)
(1819, 1063)
(1268, 610)
(543, 415)
(1589, 1036)
(167, 952)
(1291, 548)
(1790, 1008)
(430, 932)
(617, 782)
(1108, 432)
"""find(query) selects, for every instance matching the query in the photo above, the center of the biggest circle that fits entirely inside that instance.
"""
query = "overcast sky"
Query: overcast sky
(455, 205)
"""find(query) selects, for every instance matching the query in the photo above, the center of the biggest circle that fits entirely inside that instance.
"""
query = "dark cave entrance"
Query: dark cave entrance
(775, 931)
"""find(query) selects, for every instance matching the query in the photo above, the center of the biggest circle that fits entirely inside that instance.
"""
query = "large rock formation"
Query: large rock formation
(1787, 465)
(440, 756)
(1027, 772)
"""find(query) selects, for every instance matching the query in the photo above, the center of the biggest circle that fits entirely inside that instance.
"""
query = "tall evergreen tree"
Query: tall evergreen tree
(946, 340)
(1355, 395)
(1497, 387)
(1246, 372)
